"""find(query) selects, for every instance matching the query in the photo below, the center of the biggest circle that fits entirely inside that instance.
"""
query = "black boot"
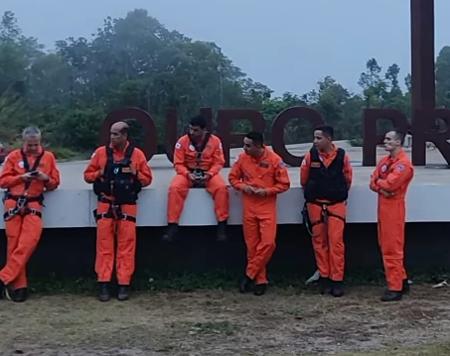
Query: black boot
(103, 291)
(19, 295)
(246, 284)
(324, 285)
(122, 293)
(391, 296)
(260, 289)
(169, 235)
(222, 231)
(337, 289)
(405, 289)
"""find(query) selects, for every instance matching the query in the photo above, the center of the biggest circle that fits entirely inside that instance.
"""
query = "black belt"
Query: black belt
(110, 215)
(21, 207)
(10, 213)
(114, 211)
(38, 198)
(326, 212)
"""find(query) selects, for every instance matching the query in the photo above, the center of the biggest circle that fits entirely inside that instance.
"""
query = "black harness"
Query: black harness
(119, 183)
(114, 212)
(22, 201)
(325, 214)
(197, 171)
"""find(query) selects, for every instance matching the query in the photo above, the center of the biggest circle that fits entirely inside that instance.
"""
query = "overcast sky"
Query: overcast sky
(286, 44)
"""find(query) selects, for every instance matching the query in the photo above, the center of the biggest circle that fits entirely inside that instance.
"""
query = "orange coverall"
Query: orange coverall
(260, 212)
(392, 175)
(185, 160)
(107, 227)
(24, 232)
(328, 236)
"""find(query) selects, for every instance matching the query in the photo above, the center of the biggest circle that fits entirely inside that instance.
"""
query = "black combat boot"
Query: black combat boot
(260, 289)
(103, 291)
(222, 231)
(123, 293)
(337, 289)
(391, 296)
(245, 284)
(324, 285)
(19, 295)
(169, 235)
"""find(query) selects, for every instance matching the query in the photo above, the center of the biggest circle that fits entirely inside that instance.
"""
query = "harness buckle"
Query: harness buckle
(21, 202)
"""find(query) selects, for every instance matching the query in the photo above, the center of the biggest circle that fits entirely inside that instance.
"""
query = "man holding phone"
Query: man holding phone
(28, 173)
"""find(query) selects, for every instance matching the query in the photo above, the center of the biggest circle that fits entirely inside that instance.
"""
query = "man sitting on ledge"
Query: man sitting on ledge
(198, 159)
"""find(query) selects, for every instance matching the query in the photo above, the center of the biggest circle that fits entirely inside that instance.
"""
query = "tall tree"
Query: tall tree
(443, 77)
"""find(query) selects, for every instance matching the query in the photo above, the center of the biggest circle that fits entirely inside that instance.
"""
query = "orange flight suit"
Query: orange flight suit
(260, 212)
(392, 175)
(328, 236)
(107, 227)
(185, 160)
(23, 232)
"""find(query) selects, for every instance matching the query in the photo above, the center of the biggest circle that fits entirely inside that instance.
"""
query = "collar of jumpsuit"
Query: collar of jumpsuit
(118, 152)
(400, 154)
(328, 157)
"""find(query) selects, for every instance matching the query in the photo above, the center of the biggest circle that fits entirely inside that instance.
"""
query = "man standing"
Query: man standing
(28, 173)
(118, 172)
(390, 180)
(326, 176)
(260, 175)
(198, 159)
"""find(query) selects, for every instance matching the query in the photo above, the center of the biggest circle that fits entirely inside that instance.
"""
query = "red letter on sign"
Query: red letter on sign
(280, 123)
(225, 118)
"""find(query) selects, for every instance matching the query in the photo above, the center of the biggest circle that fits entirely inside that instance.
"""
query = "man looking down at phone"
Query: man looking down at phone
(28, 173)
(198, 159)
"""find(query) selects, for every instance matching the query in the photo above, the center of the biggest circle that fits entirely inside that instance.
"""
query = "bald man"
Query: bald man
(118, 172)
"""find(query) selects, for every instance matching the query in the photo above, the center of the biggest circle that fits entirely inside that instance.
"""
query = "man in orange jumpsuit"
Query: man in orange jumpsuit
(326, 176)
(118, 172)
(198, 159)
(28, 172)
(390, 180)
(260, 175)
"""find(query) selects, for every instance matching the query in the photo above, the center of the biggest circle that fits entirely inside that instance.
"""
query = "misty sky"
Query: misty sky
(286, 44)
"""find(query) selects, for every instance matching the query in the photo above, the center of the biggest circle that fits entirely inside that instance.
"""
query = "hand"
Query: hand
(100, 173)
(207, 176)
(192, 177)
(385, 193)
(42, 177)
(27, 177)
(260, 191)
(248, 189)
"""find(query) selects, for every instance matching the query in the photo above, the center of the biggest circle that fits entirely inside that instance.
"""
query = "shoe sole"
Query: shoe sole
(7, 295)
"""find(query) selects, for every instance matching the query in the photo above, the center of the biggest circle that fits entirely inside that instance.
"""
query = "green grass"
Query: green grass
(219, 279)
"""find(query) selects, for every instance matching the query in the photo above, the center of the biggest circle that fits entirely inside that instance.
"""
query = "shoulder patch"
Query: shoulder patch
(178, 145)
(400, 167)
